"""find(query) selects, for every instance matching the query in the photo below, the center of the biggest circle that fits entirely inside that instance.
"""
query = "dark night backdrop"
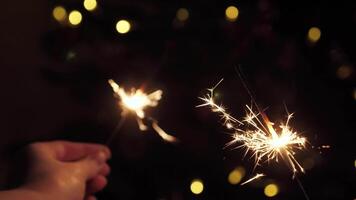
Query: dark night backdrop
(54, 86)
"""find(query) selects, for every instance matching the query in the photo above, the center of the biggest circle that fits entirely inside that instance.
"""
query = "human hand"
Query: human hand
(67, 171)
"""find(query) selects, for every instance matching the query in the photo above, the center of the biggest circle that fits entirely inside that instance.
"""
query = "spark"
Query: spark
(257, 176)
(136, 102)
(162, 133)
(324, 147)
(208, 100)
(257, 135)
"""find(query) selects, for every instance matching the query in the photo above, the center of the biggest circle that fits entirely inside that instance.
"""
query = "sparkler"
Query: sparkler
(257, 135)
(136, 102)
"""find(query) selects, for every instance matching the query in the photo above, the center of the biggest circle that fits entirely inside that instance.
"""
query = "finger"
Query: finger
(105, 170)
(91, 165)
(91, 197)
(96, 184)
(73, 151)
(39, 151)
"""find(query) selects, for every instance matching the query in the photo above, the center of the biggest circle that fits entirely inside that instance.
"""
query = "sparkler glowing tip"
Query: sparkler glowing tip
(136, 102)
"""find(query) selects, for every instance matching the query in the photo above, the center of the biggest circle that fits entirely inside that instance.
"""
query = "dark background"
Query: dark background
(54, 86)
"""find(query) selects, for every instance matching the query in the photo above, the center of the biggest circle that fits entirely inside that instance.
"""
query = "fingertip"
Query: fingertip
(107, 152)
(105, 170)
(91, 166)
(96, 184)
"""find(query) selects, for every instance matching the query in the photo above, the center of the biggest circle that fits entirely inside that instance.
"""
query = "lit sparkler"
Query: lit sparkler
(136, 102)
(257, 135)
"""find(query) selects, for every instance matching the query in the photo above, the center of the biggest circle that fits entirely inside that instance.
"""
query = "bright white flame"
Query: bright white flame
(136, 101)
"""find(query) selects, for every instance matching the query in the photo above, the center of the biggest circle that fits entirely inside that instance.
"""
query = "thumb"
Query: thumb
(92, 164)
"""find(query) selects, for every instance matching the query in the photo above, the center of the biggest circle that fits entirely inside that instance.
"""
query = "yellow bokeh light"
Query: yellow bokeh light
(75, 17)
(314, 34)
(90, 5)
(197, 186)
(271, 190)
(344, 71)
(354, 96)
(59, 13)
(182, 14)
(355, 163)
(236, 175)
(231, 13)
(123, 26)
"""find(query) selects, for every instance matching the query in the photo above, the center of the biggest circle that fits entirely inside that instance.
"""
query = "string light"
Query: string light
(236, 175)
(232, 13)
(59, 13)
(123, 26)
(344, 72)
(182, 14)
(271, 190)
(197, 186)
(75, 17)
(314, 34)
(90, 5)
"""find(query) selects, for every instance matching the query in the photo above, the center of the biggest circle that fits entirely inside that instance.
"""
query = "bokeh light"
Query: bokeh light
(59, 13)
(231, 13)
(70, 55)
(197, 186)
(123, 26)
(236, 175)
(90, 5)
(314, 34)
(271, 190)
(355, 163)
(75, 17)
(354, 96)
(344, 72)
(182, 14)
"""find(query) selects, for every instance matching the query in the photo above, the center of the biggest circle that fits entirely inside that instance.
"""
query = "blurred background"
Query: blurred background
(56, 57)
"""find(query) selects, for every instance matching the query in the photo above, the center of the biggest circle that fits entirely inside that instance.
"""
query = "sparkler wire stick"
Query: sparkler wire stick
(302, 188)
(116, 130)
